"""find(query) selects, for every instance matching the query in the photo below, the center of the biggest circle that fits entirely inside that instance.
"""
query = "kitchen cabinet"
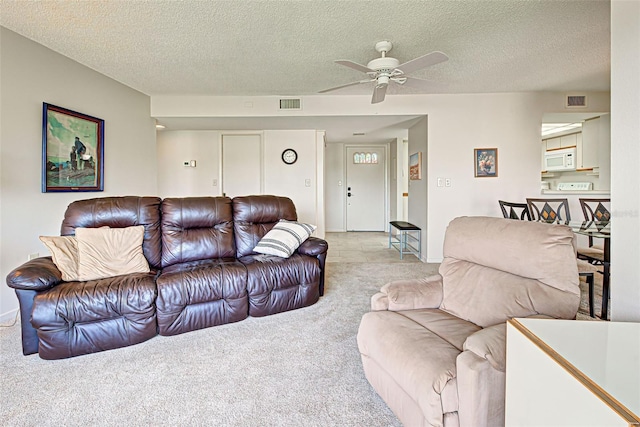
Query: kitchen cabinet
(551, 144)
(587, 152)
(564, 141)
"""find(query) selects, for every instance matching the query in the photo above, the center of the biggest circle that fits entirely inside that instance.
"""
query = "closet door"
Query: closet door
(241, 165)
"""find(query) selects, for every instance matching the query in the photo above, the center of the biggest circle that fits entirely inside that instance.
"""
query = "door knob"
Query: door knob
(348, 188)
(348, 194)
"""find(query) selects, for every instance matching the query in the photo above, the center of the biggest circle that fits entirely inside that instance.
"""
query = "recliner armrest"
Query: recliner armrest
(489, 343)
(313, 246)
(37, 274)
(409, 294)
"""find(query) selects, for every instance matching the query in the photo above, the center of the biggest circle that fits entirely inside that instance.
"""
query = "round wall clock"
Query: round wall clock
(289, 156)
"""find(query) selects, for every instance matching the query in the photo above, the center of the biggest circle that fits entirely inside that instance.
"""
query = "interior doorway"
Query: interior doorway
(366, 189)
(241, 164)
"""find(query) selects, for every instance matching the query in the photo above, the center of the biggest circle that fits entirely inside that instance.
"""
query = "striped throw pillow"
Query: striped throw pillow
(284, 238)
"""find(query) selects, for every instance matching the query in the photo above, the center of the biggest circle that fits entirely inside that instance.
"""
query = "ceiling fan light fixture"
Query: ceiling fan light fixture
(383, 80)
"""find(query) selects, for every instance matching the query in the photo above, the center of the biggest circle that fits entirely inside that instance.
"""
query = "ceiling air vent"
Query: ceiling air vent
(291, 104)
(576, 101)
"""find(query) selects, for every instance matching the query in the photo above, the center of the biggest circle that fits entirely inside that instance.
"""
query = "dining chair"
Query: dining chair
(556, 210)
(515, 210)
(594, 210)
(549, 210)
(587, 272)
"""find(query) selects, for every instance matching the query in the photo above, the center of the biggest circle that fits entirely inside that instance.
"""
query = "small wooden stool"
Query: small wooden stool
(407, 234)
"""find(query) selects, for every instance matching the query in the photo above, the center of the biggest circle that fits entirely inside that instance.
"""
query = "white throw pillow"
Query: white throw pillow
(284, 238)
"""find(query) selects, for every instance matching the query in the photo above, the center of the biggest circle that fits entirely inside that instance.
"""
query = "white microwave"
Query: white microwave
(563, 159)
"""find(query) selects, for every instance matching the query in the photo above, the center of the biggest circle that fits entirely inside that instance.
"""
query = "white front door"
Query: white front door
(366, 188)
(241, 165)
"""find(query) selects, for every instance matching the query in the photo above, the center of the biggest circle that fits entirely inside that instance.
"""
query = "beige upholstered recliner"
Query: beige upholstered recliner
(434, 348)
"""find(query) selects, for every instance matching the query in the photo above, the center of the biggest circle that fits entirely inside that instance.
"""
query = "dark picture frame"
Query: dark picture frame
(486, 162)
(72, 151)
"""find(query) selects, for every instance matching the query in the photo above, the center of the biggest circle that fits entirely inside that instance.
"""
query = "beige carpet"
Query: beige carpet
(300, 368)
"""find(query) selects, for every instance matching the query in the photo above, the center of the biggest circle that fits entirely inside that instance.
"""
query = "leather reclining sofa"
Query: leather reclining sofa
(203, 272)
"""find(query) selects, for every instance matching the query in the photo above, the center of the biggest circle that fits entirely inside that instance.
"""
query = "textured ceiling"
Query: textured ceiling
(287, 48)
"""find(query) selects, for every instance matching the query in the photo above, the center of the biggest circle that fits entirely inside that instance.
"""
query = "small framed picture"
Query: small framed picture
(72, 151)
(415, 166)
(486, 162)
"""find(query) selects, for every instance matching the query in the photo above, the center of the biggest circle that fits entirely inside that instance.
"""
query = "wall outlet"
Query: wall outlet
(447, 182)
(307, 182)
(215, 182)
(439, 182)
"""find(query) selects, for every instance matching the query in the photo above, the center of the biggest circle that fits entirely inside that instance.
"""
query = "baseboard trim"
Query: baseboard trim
(8, 318)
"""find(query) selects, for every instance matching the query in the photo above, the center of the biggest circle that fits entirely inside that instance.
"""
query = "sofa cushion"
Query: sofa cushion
(276, 284)
(418, 349)
(284, 238)
(64, 252)
(540, 251)
(119, 212)
(196, 228)
(199, 294)
(85, 317)
(254, 216)
(107, 252)
(495, 269)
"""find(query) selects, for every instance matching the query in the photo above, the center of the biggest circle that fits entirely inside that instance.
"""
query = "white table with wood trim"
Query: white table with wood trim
(572, 373)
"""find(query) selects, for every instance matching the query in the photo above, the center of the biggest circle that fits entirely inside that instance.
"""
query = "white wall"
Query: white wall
(30, 75)
(289, 180)
(510, 122)
(392, 173)
(604, 152)
(176, 180)
(418, 189)
(334, 187)
(625, 158)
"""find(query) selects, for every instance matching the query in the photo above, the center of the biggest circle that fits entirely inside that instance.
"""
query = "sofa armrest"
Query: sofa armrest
(37, 274)
(409, 294)
(313, 246)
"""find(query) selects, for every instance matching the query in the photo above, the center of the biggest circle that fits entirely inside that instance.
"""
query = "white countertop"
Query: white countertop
(608, 353)
(577, 193)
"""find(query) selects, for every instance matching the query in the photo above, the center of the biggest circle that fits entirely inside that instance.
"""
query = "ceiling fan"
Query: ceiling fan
(385, 70)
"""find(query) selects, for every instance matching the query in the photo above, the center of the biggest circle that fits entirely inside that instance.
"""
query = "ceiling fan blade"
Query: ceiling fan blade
(378, 93)
(347, 85)
(421, 62)
(354, 65)
(418, 83)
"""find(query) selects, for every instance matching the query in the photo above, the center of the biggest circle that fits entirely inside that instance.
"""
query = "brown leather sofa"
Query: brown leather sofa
(203, 273)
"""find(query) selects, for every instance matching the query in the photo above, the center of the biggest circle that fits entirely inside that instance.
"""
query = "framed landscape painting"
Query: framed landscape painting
(486, 162)
(72, 151)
